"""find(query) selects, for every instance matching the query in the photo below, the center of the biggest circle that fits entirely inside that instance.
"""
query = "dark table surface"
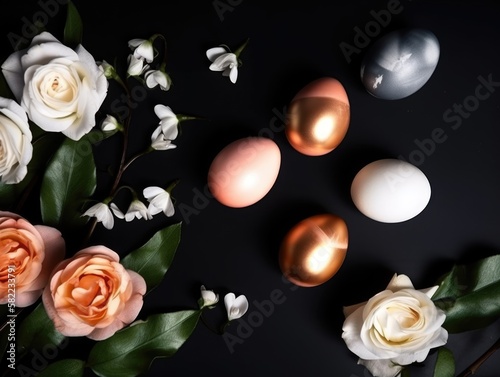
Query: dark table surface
(236, 249)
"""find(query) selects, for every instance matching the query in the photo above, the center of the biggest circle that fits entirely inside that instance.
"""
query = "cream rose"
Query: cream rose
(15, 142)
(61, 89)
(93, 295)
(396, 327)
(28, 253)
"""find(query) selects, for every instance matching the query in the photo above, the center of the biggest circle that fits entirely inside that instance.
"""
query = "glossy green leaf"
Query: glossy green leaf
(43, 149)
(69, 180)
(130, 352)
(470, 295)
(445, 363)
(73, 29)
(64, 368)
(37, 331)
(153, 259)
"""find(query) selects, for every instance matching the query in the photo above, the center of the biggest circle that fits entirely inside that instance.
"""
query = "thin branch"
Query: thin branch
(472, 369)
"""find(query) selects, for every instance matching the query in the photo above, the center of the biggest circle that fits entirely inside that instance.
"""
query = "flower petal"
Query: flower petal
(381, 368)
(215, 52)
(399, 282)
(233, 75)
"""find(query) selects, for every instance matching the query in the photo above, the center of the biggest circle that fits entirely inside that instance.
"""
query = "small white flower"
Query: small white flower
(159, 142)
(136, 66)
(168, 121)
(108, 69)
(159, 201)
(137, 209)
(143, 49)
(157, 77)
(102, 213)
(224, 61)
(208, 297)
(110, 123)
(236, 307)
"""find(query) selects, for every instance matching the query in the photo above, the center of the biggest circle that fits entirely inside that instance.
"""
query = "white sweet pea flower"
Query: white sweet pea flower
(102, 212)
(137, 209)
(110, 123)
(226, 61)
(159, 201)
(208, 298)
(136, 66)
(396, 327)
(236, 307)
(143, 49)
(157, 77)
(16, 149)
(168, 121)
(159, 142)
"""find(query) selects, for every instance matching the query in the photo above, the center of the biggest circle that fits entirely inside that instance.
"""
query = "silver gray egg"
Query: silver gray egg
(400, 63)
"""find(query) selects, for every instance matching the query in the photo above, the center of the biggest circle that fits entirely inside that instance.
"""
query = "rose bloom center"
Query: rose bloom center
(15, 250)
(395, 323)
(91, 290)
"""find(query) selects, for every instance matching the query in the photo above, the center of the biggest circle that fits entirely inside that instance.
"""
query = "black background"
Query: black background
(236, 250)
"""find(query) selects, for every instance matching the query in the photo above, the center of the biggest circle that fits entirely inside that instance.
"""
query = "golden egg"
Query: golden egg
(318, 117)
(312, 251)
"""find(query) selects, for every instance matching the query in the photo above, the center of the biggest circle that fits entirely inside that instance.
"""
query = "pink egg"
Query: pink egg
(244, 171)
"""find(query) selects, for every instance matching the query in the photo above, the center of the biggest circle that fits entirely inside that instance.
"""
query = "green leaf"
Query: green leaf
(130, 352)
(73, 29)
(470, 295)
(64, 368)
(153, 259)
(37, 331)
(43, 149)
(69, 180)
(445, 363)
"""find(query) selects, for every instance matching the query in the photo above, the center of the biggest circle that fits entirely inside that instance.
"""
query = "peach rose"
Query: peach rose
(28, 253)
(93, 295)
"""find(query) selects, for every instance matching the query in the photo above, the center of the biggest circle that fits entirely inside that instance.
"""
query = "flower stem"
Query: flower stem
(240, 49)
(224, 327)
(123, 159)
(472, 369)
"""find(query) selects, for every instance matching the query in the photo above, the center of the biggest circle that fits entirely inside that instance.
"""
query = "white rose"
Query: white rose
(15, 142)
(396, 327)
(61, 89)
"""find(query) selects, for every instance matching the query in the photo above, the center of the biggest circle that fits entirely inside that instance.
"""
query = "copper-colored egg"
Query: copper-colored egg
(314, 249)
(318, 117)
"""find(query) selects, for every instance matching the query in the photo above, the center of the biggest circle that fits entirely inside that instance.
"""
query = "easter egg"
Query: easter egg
(390, 190)
(400, 63)
(314, 249)
(244, 171)
(318, 117)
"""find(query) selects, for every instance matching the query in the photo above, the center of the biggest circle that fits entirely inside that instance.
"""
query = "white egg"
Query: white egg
(390, 190)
